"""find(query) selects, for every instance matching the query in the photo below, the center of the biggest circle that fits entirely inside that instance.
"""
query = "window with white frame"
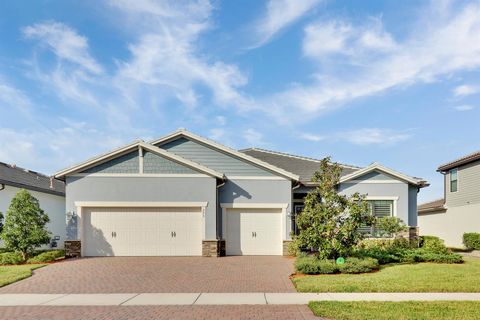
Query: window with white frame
(453, 180)
(379, 209)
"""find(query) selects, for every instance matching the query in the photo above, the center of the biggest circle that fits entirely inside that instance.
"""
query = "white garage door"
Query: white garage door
(254, 232)
(142, 232)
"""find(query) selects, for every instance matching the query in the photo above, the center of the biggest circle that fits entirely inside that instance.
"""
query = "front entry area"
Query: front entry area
(253, 231)
(143, 231)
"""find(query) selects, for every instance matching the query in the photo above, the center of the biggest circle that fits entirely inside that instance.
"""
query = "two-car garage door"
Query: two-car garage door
(142, 231)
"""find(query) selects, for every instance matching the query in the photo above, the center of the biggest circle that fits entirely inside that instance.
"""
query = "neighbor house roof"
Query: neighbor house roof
(434, 205)
(253, 160)
(378, 167)
(14, 176)
(460, 161)
(136, 145)
(304, 167)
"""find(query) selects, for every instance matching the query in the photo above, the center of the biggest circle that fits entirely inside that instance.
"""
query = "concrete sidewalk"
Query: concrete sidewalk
(139, 299)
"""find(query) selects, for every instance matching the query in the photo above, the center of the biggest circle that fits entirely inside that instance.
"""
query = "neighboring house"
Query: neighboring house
(49, 192)
(459, 210)
(186, 195)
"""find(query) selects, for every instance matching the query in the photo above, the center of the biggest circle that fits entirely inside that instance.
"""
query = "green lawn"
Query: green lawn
(10, 274)
(421, 277)
(407, 310)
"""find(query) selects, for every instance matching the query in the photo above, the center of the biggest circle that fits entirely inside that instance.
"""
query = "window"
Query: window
(453, 180)
(378, 208)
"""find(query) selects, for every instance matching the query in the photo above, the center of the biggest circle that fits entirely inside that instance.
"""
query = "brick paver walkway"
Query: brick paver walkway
(160, 274)
(158, 312)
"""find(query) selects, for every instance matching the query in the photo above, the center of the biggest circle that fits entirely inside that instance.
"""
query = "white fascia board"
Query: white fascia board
(137, 204)
(182, 160)
(237, 205)
(100, 158)
(379, 167)
(227, 150)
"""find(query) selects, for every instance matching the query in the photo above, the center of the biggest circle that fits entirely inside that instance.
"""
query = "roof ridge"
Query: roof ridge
(296, 156)
(463, 158)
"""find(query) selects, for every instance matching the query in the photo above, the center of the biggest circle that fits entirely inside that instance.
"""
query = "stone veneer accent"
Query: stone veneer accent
(213, 248)
(73, 248)
(286, 243)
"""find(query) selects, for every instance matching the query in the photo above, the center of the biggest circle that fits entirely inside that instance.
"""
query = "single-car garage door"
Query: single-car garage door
(142, 231)
(254, 232)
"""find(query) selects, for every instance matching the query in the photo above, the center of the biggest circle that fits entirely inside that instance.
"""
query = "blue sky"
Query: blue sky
(395, 82)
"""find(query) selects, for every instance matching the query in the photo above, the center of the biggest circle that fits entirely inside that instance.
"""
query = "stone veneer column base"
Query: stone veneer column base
(73, 248)
(213, 248)
(286, 243)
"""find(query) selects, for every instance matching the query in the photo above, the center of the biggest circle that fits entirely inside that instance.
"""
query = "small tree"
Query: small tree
(25, 222)
(330, 222)
(1, 222)
(389, 226)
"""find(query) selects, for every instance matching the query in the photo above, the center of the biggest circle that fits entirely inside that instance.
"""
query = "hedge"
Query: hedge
(471, 240)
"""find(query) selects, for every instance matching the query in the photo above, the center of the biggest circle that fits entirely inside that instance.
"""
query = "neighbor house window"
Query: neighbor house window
(453, 180)
(378, 208)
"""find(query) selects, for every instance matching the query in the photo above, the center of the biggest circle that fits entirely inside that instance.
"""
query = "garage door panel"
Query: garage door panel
(143, 231)
(254, 232)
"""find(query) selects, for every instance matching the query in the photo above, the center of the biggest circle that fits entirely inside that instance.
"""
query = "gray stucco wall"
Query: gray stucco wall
(412, 206)
(400, 190)
(178, 189)
(257, 191)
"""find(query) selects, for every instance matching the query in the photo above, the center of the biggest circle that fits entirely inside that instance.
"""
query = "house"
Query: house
(49, 192)
(186, 195)
(459, 209)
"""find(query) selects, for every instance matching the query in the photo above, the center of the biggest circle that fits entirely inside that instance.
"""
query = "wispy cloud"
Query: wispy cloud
(464, 107)
(65, 42)
(361, 137)
(367, 67)
(278, 15)
(253, 137)
(465, 90)
(312, 137)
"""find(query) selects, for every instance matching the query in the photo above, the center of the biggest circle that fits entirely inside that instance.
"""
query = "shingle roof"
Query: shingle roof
(303, 166)
(22, 178)
(460, 161)
(431, 206)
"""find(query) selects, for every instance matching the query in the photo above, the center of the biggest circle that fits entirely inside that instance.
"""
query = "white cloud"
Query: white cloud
(464, 107)
(253, 137)
(312, 137)
(166, 57)
(322, 39)
(221, 120)
(361, 70)
(217, 134)
(465, 90)
(369, 136)
(65, 42)
(280, 14)
(11, 97)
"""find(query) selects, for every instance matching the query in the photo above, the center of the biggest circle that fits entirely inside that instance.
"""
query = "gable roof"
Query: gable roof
(431, 206)
(376, 166)
(259, 163)
(304, 167)
(460, 161)
(14, 176)
(135, 145)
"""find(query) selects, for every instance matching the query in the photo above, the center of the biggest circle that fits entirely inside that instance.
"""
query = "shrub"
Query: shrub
(47, 256)
(425, 255)
(313, 265)
(471, 241)
(355, 265)
(389, 226)
(10, 258)
(433, 244)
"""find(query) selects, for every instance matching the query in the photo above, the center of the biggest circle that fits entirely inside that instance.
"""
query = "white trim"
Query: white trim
(374, 181)
(256, 178)
(141, 144)
(228, 150)
(136, 204)
(236, 205)
(394, 199)
(379, 167)
(142, 175)
(140, 160)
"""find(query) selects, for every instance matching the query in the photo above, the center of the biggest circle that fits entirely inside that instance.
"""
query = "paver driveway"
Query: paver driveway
(160, 274)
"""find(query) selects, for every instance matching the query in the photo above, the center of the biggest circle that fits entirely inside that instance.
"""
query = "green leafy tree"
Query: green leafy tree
(1, 222)
(389, 226)
(330, 222)
(25, 223)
